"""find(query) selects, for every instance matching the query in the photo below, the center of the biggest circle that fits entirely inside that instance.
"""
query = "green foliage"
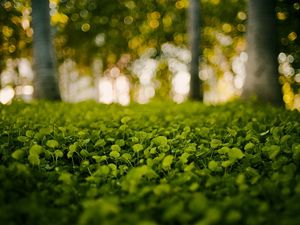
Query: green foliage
(52, 143)
(272, 151)
(235, 154)
(214, 166)
(160, 141)
(167, 162)
(15, 38)
(171, 164)
(137, 147)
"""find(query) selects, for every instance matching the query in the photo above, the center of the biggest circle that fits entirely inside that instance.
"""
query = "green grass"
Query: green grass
(160, 163)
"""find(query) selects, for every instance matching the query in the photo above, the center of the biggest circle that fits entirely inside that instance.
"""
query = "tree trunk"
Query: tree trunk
(194, 42)
(46, 86)
(262, 78)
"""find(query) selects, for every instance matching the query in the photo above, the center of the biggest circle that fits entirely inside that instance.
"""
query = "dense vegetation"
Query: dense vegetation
(149, 164)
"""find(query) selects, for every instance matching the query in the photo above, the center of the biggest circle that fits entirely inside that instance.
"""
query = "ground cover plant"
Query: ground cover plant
(160, 163)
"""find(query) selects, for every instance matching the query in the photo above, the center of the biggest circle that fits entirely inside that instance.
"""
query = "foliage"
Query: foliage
(149, 164)
(15, 38)
(288, 13)
(108, 29)
(105, 30)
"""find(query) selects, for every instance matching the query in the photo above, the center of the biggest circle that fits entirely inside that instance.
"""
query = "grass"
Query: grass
(159, 163)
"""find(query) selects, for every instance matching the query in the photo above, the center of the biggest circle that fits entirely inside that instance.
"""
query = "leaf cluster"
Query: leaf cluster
(160, 163)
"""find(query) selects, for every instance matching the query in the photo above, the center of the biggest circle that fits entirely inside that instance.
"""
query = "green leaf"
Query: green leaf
(22, 139)
(264, 133)
(73, 147)
(34, 159)
(125, 119)
(235, 153)
(120, 142)
(85, 163)
(189, 167)
(227, 163)
(123, 127)
(149, 162)
(86, 141)
(215, 143)
(102, 171)
(190, 148)
(160, 140)
(45, 131)
(213, 166)
(232, 132)
(70, 154)
(272, 151)
(126, 157)
(162, 189)
(223, 150)
(99, 159)
(84, 153)
(36, 149)
(134, 140)
(52, 144)
(58, 154)
(167, 162)
(114, 154)
(184, 157)
(153, 151)
(100, 143)
(164, 148)
(116, 148)
(82, 134)
(137, 147)
(249, 146)
(29, 133)
(18, 154)
(66, 178)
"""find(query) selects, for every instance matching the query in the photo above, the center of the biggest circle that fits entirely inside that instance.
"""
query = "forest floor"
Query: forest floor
(159, 163)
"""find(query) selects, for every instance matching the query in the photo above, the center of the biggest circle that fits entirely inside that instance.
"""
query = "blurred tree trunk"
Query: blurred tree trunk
(262, 78)
(196, 92)
(46, 86)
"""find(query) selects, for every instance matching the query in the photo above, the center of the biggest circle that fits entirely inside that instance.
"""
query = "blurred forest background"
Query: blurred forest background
(133, 50)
